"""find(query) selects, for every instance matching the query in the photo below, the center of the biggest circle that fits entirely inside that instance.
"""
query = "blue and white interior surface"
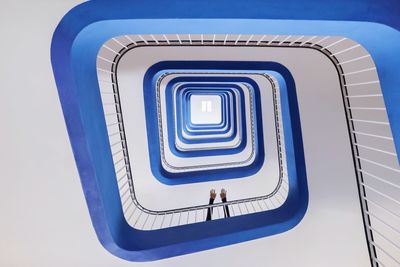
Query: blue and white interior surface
(279, 109)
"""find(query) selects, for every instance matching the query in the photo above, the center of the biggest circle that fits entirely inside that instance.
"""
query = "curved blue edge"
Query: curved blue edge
(227, 123)
(106, 212)
(150, 99)
(186, 100)
(237, 129)
(183, 109)
(191, 127)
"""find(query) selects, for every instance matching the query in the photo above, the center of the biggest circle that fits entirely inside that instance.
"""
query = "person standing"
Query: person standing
(213, 195)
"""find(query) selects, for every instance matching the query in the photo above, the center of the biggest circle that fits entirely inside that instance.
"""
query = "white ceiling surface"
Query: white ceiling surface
(149, 191)
(44, 219)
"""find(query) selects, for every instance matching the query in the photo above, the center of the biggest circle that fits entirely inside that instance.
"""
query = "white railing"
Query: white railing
(375, 159)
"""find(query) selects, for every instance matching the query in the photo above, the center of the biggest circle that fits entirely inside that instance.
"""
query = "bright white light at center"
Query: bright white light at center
(205, 109)
(206, 106)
